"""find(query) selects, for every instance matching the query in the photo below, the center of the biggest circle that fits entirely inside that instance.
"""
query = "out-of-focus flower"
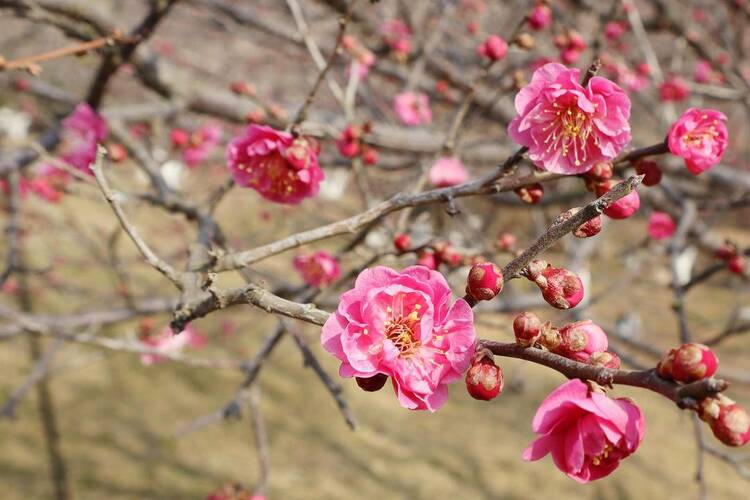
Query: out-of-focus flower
(700, 137)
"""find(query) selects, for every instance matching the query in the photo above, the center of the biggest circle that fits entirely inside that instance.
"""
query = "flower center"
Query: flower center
(570, 129)
(705, 131)
(603, 455)
(399, 329)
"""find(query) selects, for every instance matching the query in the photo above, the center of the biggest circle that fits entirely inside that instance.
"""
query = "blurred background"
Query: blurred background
(88, 413)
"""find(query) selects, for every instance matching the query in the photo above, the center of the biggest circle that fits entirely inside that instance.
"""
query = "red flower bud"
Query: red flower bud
(589, 228)
(693, 362)
(650, 170)
(179, 137)
(428, 260)
(727, 251)
(530, 194)
(579, 340)
(622, 208)
(506, 242)
(528, 328)
(605, 359)
(560, 287)
(484, 380)
(737, 265)
(242, 88)
(729, 422)
(402, 242)
(372, 384)
(448, 255)
(493, 48)
(117, 152)
(600, 172)
(485, 281)
(369, 155)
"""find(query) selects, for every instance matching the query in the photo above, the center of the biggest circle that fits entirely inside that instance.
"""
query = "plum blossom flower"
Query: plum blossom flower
(201, 143)
(82, 130)
(317, 269)
(167, 343)
(281, 168)
(587, 433)
(674, 89)
(448, 171)
(569, 128)
(700, 137)
(660, 226)
(403, 325)
(412, 108)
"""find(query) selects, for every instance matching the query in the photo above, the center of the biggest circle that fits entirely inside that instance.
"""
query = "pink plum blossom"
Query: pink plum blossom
(167, 343)
(581, 339)
(201, 143)
(540, 17)
(403, 325)
(317, 269)
(700, 137)
(281, 168)
(448, 171)
(82, 130)
(569, 128)
(587, 433)
(661, 226)
(412, 108)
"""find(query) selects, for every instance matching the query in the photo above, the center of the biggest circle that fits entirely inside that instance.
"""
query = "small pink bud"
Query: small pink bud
(242, 88)
(472, 27)
(622, 208)
(402, 242)
(661, 226)
(589, 228)
(179, 137)
(650, 170)
(428, 260)
(737, 265)
(569, 55)
(117, 152)
(729, 422)
(448, 255)
(369, 155)
(693, 362)
(485, 281)
(506, 242)
(560, 287)
(579, 340)
(372, 384)
(527, 328)
(605, 359)
(576, 41)
(600, 172)
(484, 379)
(540, 17)
(493, 48)
(530, 194)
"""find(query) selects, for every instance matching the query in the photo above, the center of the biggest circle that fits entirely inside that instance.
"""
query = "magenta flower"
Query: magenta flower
(587, 433)
(661, 226)
(317, 269)
(699, 136)
(569, 128)
(448, 171)
(201, 143)
(403, 325)
(82, 130)
(412, 108)
(281, 168)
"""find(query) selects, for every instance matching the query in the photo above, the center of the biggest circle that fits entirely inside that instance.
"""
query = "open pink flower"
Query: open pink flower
(412, 108)
(699, 136)
(569, 128)
(403, 325)
(317, 269)
(82, 130)
(660, 226)
(201, 143)
(281, 168)
(587, 433)
(448, 171)
(167, 343)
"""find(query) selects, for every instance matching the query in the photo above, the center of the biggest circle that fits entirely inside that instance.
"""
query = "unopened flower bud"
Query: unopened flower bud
(729, 422)
(650, 171)
(589, 228)
(428, 260)
(506, 242)
(447, 254)
(605, 359)
(402, 242)
(179, 137)
(530, 194)
(579, 340)
(737, 265)
(493, 48)
(622, 208)
(484, 379)
(485, 281)
(550, 338)
(372, 384)
(535, 268)
(540, 17)
(117, 152)
(600, 172)
(369, 155)
(560, 287)
(527, 328)
(693, 362)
